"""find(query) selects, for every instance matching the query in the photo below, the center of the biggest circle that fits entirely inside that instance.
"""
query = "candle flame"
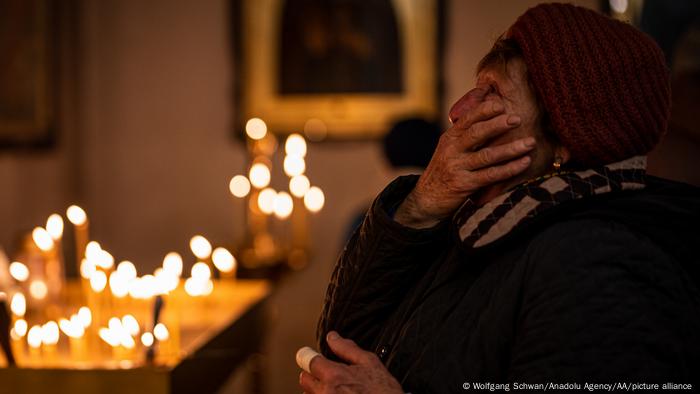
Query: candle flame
(256, 128)
(161, 332)
(295, 145)
(20, 328)
(42, 239)
(85, 316)
(200, 247)
(192, 287)
(49, 333)
(259, 175)
(92, 251)
(239, 186)
(87, 268)
(76, 215)
(166, 281)
(18, 305)
(118, 284)
(108, 336)
(34, 336)
(172, 263)
(104, 260)
(19, 271)
(114, 324)
(38, 289)
(266, 200)
(127, 341)
(314, 199)
(208, 287)
(299, 185)
(200, 271)
(130, 325)
(54, 226)
(294, 165)
(143, 287)
(283, 205)
(127, 269)
(223, 260)
(98, 281)
(196, 287)
(72, 328)
(75, 320)
(147, 339)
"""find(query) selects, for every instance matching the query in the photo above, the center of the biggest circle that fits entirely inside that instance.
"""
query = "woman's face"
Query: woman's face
(509, 86)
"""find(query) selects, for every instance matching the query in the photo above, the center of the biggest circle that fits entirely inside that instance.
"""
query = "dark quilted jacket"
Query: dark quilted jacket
(601, 290)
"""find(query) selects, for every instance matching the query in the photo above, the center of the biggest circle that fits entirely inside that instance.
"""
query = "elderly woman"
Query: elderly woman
(534, 248)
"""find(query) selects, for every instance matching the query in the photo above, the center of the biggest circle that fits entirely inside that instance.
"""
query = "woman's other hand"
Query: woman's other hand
(363, 373)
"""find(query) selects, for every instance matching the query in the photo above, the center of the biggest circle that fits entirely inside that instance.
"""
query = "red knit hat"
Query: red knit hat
(604, 83)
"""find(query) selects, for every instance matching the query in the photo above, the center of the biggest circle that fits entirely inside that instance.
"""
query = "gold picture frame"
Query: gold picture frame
(343, 114)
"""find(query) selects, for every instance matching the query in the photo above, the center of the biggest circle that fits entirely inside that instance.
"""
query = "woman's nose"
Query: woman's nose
(466, 103)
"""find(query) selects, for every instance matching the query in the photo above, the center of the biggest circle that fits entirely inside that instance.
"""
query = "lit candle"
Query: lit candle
(98, 282)
(42, 239)
(295, 145)
(49, 339)
(128, 274)
(239, 186)
(298, 187)
(201, 248)
(171, 274)
(17, 334)
(18, 305)
(54, 265)
(79, 219)
(314, 199)
(224, 262)
(294, 165)
(19, 271)
(119, 284)
(75, 332)
(116, 337)
(162, 335)
(283, 205)
(112, 339)
(34, 339)
(256, 128)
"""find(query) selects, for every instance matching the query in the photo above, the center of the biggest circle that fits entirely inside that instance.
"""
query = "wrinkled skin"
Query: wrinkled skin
(363, 372)
(495, 142)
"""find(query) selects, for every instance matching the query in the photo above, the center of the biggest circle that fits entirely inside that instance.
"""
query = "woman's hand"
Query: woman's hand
(459, 167)
(363, 373)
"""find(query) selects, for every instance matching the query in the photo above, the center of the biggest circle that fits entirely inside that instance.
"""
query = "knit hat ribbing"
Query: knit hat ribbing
(604, 83)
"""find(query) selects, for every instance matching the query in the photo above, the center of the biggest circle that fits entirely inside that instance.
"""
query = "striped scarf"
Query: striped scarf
(481, 226)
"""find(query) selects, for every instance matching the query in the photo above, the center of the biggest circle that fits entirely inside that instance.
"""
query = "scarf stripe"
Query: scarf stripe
(480, 226)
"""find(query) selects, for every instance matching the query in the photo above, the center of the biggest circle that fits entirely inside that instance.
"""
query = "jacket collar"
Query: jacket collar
(481, 226)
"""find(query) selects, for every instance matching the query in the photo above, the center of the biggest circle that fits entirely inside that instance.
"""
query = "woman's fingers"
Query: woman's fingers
(309, 383)
(498, 173)
(484, 111)
(480, 133)
(348, 350)
(323, 368)
(493, 155)
(466, 103)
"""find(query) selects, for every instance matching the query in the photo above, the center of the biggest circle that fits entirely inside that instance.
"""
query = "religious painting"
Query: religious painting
(25, 73)
(351, 67)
